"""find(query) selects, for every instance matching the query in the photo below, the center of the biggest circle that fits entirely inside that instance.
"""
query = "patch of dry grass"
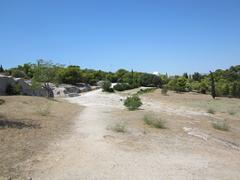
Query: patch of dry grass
(119, 127)
(222, 126)
(25, 133)
(155, 122)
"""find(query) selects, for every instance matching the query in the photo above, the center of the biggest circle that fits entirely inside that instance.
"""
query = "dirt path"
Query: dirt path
(93, 152)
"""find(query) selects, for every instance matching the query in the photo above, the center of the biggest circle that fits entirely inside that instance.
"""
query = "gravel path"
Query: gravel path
(89, 152)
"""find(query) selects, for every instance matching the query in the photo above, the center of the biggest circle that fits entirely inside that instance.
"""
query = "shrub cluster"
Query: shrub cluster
(125, 86)
(222, 126)
(13, 89)
(226, 82)
(132, 102)
(144, 91)
(106, 86)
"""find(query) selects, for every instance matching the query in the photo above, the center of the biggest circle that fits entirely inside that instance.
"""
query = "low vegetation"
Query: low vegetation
(164, 90)
(125, 86)
(106, 86)
(133, 102)
(154, 122)
(219, 83)
(24, 132)
(232, 112)
(13, 89)
(222, 126)
(119, 127)
(211, 111)
(144, 91)
(2, 101)
(45, 111)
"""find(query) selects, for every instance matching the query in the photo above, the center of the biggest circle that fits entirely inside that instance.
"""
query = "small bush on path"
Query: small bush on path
(133, 102)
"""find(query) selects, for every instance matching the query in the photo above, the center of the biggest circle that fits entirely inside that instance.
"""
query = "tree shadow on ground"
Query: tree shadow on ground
(17, 125)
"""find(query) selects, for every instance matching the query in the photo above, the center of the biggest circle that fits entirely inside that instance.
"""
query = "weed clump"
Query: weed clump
(144, 91)
(222, 126)
(154, 122)
(211, 111)
(44, 111)
(164, 90)
(232, 112)
(120, 128)
(2, 101)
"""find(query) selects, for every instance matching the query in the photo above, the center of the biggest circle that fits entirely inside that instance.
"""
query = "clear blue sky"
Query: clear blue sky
(173, 36)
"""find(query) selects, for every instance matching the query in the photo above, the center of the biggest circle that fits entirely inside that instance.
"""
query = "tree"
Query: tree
(235, 89)
(1, 69)
(181, 84)
(185, 75)
(70, 75)
(45, 73)
(197, 76)
(120, 74)
(213, 92)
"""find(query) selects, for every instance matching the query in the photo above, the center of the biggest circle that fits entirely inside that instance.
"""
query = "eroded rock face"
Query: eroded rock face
(25, 87)
(70, 90)
(4, 82)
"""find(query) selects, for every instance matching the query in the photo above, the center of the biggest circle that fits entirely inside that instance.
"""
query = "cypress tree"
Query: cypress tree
(1, 69)
(213, 91)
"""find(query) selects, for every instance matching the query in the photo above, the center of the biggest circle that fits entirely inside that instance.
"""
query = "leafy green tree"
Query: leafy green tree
(180, 85)
(197, 76)
(203, 87)
(235, 89)
(70, 75)
(45, 73)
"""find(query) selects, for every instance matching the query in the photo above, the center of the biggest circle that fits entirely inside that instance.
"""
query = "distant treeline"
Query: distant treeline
(227, 82)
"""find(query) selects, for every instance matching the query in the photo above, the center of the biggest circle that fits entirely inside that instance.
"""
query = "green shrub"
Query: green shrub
(132, 102)
(2, 101)
(154, 122)
(144, 91)
(222, 126)
(13, 89)
(18, 73)
(211, 111)
(122, 87)
(106, 86)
